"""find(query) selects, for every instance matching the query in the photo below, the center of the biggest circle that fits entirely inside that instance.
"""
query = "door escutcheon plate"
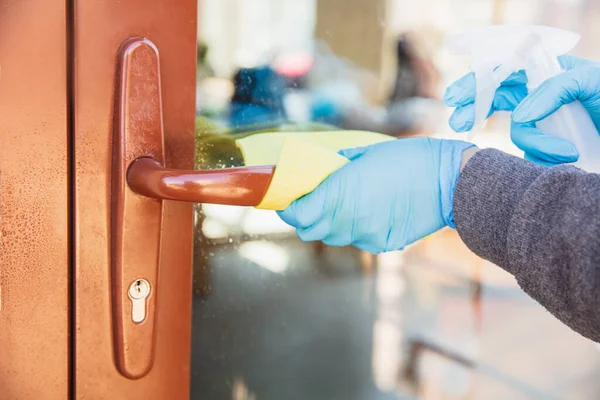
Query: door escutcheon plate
(136, 221)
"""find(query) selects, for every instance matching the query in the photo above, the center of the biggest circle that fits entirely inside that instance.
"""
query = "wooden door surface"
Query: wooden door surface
(34, 200)
(119, 43)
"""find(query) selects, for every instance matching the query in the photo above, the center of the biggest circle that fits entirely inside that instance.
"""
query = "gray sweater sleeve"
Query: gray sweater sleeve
(540, 224)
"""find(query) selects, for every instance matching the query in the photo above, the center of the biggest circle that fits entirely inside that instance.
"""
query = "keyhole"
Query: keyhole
(139, 290)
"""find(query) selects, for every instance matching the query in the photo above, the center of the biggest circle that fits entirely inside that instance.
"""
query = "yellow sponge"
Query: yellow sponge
(303, 159)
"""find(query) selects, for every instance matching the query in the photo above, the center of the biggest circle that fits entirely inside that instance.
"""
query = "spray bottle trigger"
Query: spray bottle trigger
(486, 85)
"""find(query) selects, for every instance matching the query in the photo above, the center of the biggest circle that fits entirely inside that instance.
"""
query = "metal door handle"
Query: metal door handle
(242, 186)
(140, 182)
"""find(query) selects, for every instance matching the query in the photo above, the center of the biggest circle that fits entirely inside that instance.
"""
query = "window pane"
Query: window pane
(275, 318)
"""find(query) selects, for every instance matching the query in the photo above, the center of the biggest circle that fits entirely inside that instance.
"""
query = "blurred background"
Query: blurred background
(275, 318)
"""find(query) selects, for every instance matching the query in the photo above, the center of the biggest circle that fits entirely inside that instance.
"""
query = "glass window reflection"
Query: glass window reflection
(275, 318)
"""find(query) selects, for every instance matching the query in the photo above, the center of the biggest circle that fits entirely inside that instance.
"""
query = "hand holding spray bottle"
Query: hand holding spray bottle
(498, 51)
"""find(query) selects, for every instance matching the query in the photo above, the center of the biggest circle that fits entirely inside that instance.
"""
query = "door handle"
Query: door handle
(136, 222)
(241, 186)
(141, 180)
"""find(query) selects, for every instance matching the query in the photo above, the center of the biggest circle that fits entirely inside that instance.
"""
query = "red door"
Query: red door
(95, 281)
(34, 200)
(133, 96)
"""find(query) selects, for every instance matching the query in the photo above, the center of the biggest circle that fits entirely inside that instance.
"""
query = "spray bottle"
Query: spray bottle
(498, 51)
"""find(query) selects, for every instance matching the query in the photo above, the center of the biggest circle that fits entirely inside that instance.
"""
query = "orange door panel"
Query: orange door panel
(134, 78)
(34, 206)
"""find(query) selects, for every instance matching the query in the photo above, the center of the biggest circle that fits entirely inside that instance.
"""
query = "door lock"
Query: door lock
(139, 290)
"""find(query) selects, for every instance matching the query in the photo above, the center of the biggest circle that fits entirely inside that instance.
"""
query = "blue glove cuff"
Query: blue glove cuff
(450, 160)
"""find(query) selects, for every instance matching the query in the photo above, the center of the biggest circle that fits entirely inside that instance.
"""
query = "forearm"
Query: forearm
(540, 224)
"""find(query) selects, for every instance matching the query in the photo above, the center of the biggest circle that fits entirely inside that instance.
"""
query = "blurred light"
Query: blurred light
(387, 344)
(390, 261)
(390, 283)
(213, 229)
(267, 255)
(297, 105)
(260, 222)
(241, 391)
(387, 336)
(294, 65)
(230, 215)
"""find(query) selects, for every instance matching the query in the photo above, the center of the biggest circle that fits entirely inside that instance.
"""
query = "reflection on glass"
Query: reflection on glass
(275, 318)
(267, 255)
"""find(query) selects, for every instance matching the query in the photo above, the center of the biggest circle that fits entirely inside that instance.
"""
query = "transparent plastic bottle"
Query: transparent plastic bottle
(498, 51)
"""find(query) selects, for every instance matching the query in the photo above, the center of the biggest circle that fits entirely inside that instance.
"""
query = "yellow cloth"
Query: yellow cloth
(303, 159)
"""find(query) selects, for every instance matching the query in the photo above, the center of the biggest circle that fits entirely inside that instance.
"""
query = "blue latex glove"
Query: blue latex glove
(538, 147)
(390, 195)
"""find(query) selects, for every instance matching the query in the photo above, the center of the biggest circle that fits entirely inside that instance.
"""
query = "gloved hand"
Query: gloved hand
(390, 195)
(580, 82)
